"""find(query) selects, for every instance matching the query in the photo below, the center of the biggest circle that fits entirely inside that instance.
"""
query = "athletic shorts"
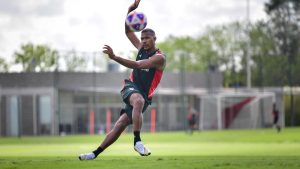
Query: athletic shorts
(128, 89)
(275, 120)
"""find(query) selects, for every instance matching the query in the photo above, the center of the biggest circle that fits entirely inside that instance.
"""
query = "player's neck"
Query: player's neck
(151, 50)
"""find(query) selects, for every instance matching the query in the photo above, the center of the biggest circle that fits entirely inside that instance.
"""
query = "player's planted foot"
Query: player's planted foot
(141, 149)
(87, 156)
(278, 128)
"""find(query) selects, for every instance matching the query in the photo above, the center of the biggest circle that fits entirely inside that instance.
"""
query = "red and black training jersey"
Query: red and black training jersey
(146, 80)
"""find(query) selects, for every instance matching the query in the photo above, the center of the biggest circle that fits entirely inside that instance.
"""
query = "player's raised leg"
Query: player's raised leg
(110, 138)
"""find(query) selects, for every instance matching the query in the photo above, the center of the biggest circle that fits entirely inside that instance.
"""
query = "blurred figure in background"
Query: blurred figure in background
(275, 113)
(191, 118)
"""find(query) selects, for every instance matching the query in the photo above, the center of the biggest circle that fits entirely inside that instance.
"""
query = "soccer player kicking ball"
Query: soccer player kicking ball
(137, 90)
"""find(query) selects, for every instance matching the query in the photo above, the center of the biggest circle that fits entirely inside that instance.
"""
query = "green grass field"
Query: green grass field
(229, 149)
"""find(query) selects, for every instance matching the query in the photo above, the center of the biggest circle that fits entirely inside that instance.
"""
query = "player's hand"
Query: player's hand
(109, 51)
(134, 5)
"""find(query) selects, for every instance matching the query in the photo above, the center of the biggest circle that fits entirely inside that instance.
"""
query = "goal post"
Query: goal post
(236, 110)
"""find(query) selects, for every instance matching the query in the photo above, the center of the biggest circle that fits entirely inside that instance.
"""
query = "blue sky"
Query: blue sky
(85, 25)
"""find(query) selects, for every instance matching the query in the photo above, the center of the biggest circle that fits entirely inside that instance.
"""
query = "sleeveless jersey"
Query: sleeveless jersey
(146, 80)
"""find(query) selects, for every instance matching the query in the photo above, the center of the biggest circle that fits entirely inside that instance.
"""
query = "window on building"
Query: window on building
(81, 119)
(44, 110)
(13, 116)
(81, 99)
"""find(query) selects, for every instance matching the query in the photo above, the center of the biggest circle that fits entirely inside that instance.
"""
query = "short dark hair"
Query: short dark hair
(148, 30)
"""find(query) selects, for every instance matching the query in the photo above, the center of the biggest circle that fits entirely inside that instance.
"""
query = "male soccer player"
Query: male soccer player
(137, 90)
(275, 113)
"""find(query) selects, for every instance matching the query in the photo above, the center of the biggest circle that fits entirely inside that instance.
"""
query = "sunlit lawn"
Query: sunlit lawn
(264, 148)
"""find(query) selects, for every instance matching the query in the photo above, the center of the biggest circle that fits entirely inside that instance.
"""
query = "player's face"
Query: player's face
(148, 40)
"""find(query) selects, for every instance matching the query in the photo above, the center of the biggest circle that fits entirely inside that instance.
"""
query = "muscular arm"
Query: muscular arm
(157, 61)
(131, 35)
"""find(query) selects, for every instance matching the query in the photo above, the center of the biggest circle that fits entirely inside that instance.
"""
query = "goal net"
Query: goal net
(236, 110)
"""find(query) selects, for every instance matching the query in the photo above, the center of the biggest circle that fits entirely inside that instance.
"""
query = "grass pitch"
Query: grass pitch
(229, 149)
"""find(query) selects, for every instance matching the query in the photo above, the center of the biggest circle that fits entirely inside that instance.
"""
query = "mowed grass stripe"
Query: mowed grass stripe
(231, 136)
(158, 149)
(229, 149)
(165, 162)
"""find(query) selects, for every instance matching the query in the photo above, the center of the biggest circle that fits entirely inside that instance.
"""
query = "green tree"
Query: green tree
(36, 58)
(196, 52)
(284, 22)
(221, 47)
(3, 65)
(284, 19)
(75, 62)
(269, 67)
(228, 43)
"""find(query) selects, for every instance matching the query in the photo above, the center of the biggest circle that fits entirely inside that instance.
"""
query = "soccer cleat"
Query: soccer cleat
(141, 149)
(87, 156)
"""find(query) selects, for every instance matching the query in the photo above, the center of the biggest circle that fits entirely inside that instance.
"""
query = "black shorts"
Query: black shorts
(128, 89)
(275, 120)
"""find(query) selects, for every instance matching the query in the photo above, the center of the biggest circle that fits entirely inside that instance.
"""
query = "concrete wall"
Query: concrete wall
(79, 80)
(29, 86)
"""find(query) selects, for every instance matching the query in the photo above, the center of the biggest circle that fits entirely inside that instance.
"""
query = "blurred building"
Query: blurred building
(53, 103)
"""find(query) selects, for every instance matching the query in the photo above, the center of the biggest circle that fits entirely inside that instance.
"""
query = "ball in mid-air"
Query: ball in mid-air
(136, 21)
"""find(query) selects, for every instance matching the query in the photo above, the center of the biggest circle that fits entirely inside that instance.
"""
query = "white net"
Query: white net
(236, 110)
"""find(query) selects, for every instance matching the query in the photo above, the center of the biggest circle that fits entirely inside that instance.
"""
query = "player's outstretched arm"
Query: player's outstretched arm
(153, 62)
(131, 35)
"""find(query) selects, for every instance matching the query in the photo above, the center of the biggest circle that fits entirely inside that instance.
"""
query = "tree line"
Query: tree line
(273, 46)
